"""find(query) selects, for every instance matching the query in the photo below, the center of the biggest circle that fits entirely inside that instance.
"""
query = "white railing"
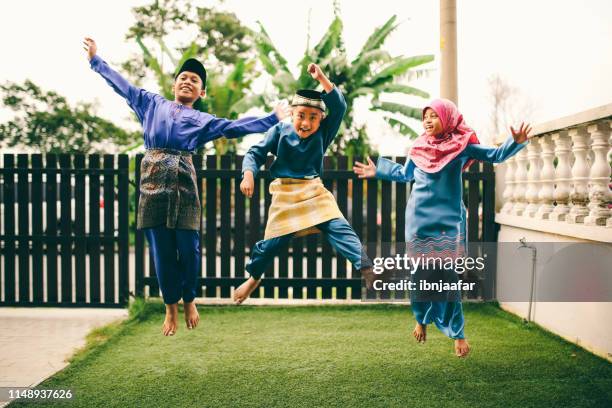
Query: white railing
(560, 183)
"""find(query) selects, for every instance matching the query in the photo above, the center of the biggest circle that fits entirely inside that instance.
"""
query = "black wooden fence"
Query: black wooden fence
(308, 268)
(59, 247)
(65, 230)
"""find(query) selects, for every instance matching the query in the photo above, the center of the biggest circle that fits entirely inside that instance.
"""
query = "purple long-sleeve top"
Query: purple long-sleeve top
(170, 125)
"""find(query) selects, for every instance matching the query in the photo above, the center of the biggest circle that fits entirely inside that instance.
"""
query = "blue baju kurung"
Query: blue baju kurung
(169, 207)
(435, 213)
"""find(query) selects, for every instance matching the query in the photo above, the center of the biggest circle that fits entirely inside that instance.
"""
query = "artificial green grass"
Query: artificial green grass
(332, 356)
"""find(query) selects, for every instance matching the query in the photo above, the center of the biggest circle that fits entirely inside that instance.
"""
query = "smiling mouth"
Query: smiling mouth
(184, 88)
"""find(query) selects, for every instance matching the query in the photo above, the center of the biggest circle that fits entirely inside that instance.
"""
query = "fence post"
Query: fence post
(65, 228)
(37, 229)
(211, 226)
(79, 231)
(109, 228)
(94, 241)
(124, 238)
(9, 228)
(139, 248)
(51, 232)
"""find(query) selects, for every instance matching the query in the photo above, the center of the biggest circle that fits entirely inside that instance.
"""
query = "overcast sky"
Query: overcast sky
(557, 52)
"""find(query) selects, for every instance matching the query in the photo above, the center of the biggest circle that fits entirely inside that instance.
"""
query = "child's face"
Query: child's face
(432, 122)
(306, 120)
(187, 88)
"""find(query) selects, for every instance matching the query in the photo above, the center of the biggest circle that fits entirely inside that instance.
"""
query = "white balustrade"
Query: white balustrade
(509, 186)
(563, 177)
(520, 186)
(547, 178)
(533, 178)
(599, 176)
(580, 176)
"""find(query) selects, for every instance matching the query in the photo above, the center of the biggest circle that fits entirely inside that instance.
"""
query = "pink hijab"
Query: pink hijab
(432, 153)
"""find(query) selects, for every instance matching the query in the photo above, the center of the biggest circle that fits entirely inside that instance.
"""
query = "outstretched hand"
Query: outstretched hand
(522, 134)
(90, 46)
(365, 170)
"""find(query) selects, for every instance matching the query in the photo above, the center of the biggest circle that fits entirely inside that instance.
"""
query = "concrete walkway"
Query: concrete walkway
(35, 342)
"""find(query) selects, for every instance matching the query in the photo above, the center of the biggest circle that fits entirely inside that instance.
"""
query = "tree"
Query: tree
(218, 35)
(372, 73)
(508, 106)
(46, 121)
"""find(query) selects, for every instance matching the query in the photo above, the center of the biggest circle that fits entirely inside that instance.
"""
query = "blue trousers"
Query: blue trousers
(176, 256)
(337, 231)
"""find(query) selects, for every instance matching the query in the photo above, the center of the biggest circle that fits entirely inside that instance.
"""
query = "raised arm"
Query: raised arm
(138, 99)
(334, 101)
(512, 145)
(218, 127)
(494, 154)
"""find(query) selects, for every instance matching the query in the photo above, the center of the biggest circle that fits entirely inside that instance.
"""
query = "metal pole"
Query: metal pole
(524, 244)
(448, 50)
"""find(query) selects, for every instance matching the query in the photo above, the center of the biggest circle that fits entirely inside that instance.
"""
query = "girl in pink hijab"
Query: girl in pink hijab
(435, 213)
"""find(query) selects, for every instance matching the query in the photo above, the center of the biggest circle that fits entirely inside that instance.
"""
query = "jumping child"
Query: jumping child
(169, 207)
(435, 213)
(300, 202)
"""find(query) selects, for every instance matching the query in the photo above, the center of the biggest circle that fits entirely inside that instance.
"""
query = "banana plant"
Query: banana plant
(372, 73)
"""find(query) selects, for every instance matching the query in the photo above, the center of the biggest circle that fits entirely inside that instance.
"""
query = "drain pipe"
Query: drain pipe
(534, 251)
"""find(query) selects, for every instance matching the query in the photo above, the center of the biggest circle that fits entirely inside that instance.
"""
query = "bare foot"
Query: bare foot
(244, 291)
(170, 322)
(420, 332)
(462, 347)
(192, 317)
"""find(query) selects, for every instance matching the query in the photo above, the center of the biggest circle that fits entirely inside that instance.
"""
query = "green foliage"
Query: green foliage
(218, 34)
(219, 38)
(46, 121)
(372, 74)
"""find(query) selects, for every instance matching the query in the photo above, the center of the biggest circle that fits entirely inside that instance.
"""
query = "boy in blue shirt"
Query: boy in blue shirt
(300, 202)
(169, 207)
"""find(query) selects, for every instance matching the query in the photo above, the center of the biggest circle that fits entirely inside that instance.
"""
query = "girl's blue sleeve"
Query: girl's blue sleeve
(494, 154)
(392, 171)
